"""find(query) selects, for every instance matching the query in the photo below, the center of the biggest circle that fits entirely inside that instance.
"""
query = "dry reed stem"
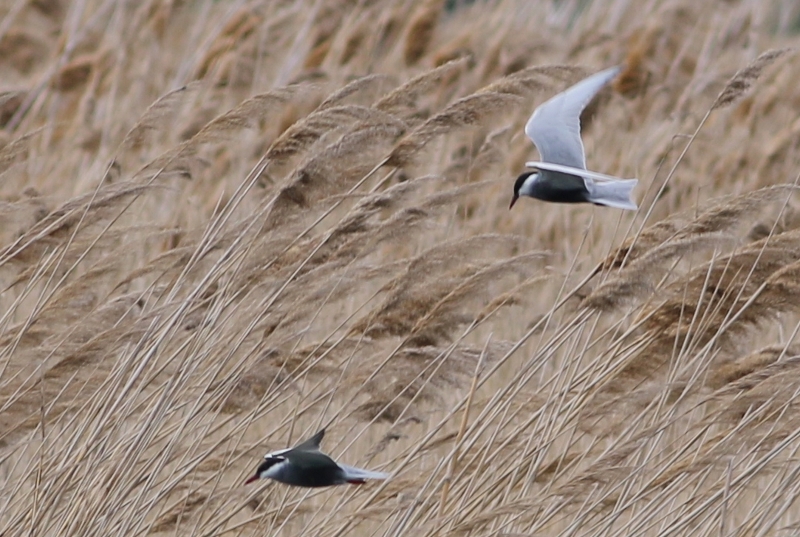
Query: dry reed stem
(464, 419)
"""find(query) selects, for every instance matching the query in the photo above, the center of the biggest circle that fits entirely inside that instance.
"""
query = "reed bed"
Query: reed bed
(224, 225)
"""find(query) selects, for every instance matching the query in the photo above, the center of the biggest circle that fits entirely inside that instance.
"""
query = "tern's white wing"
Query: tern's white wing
(580, 172)
(555, 126)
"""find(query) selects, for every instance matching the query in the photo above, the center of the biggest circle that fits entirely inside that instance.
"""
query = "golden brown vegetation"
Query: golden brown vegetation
(226, 224)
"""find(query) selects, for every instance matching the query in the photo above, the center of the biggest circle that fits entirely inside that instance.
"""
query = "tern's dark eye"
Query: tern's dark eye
(269, 462)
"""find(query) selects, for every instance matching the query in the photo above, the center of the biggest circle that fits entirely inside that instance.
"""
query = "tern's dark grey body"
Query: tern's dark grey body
(306, 466)
(555, 187)
(308, 469)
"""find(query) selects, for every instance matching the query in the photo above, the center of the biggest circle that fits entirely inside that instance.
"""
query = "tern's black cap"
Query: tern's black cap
(520, 180)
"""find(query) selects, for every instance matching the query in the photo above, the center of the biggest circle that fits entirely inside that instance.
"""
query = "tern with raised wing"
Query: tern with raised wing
(561, 176)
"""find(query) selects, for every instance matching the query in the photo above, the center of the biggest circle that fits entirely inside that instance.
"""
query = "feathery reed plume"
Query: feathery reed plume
(639, 277)
(437, 324)
(744, 78)
(527, 80)
(414, 375)
(31, 207)
(788, 240)
(114, 321)
(360, 229)
(729, 212)
(402, 101)
(156, 113)
(747, 365)
(712, 290)
(169, 520)
(364, 84)
(328, 282)
(77, 71)
(696, 308)
(490, 154)
(276, 368)
(466, 112)
(608, 468)
(10, 101)
(634, 247)
(723, 215)
(246, 114)
(308, 130)
(14, 149)
(780, 291)
(344, 161)
(85, 209)
(59, 370)
(223, 127)
(415, 293)
(500, 96)
(515, 296)
(408, 220)
(769, 373)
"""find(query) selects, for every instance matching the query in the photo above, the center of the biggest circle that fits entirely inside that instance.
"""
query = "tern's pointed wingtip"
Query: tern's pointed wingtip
(311, 444)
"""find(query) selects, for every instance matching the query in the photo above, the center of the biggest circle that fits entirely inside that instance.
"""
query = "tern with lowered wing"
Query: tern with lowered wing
(562, 177)
(306, 466)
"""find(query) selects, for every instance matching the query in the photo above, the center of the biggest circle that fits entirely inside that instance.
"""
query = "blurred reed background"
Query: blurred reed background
(225, 225)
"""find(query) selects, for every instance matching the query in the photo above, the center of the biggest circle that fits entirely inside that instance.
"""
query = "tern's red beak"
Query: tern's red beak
(513, 201)
(251, 479)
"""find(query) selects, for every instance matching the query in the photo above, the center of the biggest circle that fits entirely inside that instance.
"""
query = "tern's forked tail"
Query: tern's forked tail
(618, 193)
(355, 475)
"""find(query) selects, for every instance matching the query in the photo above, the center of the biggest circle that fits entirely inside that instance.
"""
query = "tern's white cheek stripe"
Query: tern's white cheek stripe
(275, 470)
